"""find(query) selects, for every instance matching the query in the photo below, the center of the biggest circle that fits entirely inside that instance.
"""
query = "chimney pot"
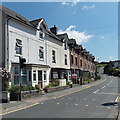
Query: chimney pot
(54, 30)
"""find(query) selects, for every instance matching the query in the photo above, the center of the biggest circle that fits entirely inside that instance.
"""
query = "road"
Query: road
(95, 102)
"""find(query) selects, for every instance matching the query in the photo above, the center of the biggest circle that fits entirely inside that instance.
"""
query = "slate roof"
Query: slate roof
(16, 16)
(78, 47)
(35, 22)
(24, 20)
(53, 35)
(62, 36)
(71, 42)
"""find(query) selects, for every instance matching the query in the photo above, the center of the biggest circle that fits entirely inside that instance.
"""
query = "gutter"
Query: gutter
(7, 44)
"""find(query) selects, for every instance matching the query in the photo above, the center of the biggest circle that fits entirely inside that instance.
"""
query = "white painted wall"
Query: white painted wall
(30, 47)
(30, 43)
(67, 52)
(58, 47)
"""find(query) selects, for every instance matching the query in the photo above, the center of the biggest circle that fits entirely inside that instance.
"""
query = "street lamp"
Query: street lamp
(22, 65)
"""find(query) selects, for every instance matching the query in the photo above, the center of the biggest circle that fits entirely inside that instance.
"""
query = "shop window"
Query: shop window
(17, 75)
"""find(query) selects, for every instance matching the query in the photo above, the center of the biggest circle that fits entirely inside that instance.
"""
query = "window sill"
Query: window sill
(18, 55)
(41, 59)
(45, 81)
(34, 81)
(42, 39)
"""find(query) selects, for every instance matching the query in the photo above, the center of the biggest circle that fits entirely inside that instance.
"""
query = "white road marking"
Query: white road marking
(96, 106)
(103, 87)
(96, 91)
(66, 103)
(109, 107)
(58, 103)
(93, 99)
(69, 98)
(76, 104)
(85, 99)
(41, 103)
(86, 105)
(107, 85)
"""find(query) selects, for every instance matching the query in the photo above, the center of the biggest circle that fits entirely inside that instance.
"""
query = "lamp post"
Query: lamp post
(22, 65)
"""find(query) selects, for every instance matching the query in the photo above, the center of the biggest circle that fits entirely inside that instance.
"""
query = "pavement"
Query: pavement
(84, 101)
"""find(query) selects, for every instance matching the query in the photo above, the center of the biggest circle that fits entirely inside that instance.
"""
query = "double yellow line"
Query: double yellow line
(52, 98)
(19, 109)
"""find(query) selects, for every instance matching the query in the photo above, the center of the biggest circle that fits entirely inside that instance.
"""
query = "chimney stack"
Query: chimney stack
(54, 30)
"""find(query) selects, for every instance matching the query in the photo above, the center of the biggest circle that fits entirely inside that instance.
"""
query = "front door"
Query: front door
(40, 78)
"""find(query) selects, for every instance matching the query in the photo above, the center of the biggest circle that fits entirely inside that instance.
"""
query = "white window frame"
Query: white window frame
(66, 59)
(34, 72)
(45, 74)
(41, 33)
(17, 74)
(18, 45)
(24, 74)
(53, 57)
(41, 48)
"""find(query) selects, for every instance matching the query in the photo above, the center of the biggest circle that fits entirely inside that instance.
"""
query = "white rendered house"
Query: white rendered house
(22, 38)
(58, 55)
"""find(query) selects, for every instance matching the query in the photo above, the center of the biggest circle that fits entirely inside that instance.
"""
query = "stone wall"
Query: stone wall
(30, 94)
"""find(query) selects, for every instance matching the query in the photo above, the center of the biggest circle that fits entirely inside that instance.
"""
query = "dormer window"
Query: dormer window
(41, 33)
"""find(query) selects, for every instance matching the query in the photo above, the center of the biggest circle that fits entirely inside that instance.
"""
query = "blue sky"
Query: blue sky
(92, 24)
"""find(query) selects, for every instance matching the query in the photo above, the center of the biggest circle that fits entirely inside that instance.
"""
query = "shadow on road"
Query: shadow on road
(110, 104)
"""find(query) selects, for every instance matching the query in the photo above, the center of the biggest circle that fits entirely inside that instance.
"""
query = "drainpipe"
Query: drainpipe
(7, 45)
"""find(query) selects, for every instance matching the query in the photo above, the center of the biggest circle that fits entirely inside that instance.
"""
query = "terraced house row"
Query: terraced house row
(48, 55)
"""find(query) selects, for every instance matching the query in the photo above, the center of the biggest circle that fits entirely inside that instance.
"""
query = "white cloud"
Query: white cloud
(81, 37)
(110, 58)
(70, 3)
(75, 2)
(97, 59)
(85, 7)
(65, 3)
(102, 37)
